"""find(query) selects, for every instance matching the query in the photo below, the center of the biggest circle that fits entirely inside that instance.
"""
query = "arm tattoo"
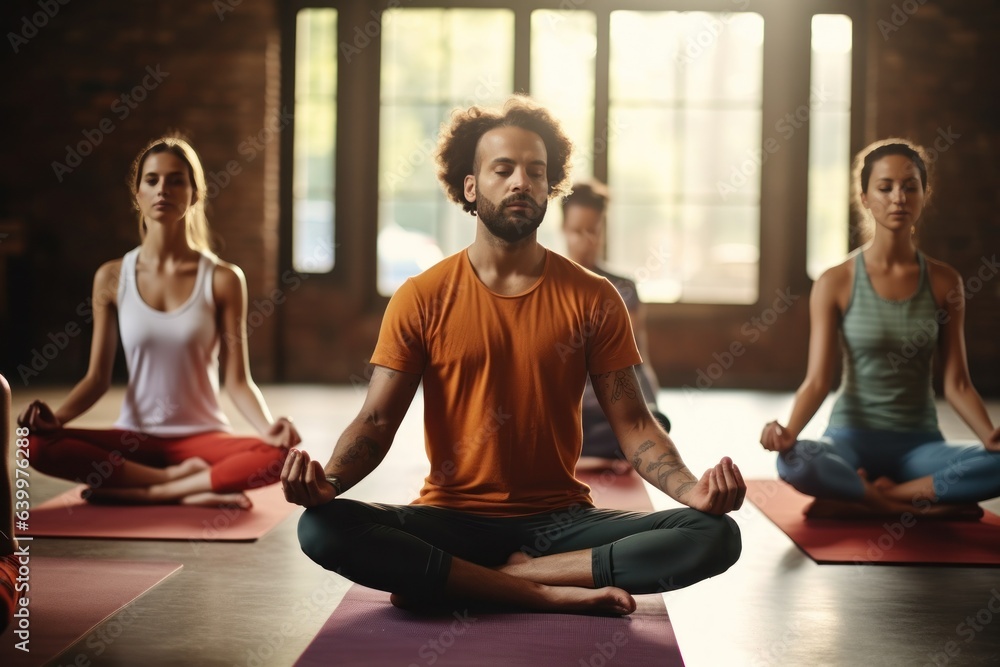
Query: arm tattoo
(623, 386)
(361, 450)
(665, 465)
(684, 488)
(637, 456)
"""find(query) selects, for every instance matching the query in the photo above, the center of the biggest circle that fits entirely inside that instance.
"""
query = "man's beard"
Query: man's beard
(510, 227)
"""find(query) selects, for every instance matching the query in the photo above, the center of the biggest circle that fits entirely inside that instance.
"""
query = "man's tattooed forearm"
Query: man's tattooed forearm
(684, 488)
(637, 456)
(362, 449)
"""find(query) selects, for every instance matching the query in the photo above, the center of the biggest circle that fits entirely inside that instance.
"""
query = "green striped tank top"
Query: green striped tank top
(888, 356)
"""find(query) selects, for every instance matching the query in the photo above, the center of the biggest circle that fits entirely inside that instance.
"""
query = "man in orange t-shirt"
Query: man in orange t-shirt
(503, 336)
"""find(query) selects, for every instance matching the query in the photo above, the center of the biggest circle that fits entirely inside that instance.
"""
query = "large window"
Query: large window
(684, 109)
(315, 131)
(829, 142)
(667, 106)
(684, 116)
(433, 60)
(563, 53)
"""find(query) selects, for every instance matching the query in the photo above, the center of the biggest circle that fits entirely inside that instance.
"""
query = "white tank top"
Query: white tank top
(173, 359)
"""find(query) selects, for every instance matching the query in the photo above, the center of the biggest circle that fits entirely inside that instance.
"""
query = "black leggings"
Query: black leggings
(407, 549)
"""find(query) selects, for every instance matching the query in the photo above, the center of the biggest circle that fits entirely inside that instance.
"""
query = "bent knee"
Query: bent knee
(719, 539)
(319, 537)
(723, 543)
(40, 454)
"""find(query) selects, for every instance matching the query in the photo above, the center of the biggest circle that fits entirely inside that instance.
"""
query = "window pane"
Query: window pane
(433, 60)
(686, 91)
(315, 133)
(829, 143)
(563, 52)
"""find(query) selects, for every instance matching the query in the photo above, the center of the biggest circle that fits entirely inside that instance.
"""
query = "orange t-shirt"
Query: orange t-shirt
(503, 378)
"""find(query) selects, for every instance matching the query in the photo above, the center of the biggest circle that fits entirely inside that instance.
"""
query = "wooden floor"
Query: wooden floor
(261, 603)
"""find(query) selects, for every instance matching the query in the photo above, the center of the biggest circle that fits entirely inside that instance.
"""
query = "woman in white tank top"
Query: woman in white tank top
(174, 304)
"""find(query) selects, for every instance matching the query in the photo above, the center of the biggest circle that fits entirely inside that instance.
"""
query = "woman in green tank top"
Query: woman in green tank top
(890, 308)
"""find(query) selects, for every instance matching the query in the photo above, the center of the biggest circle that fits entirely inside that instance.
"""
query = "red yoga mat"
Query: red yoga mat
(366, 629)
(906, 539)
(68, 515)
(69, 597)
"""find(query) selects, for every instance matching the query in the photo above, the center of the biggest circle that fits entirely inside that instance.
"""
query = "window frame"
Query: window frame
(784, 177)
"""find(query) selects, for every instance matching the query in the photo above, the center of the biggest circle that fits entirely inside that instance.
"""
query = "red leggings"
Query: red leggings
(94, 457)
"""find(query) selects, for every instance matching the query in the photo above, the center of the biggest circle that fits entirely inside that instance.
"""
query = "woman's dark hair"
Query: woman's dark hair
(457, 155)
(865, 161)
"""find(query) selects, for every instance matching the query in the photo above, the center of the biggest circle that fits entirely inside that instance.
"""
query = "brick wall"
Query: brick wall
(933, 78)
(187, 66)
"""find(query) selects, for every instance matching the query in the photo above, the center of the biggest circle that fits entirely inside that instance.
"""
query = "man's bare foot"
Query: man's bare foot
(607, 601)
(210, 499)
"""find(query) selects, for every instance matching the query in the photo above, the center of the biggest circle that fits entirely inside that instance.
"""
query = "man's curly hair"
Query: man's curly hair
(456, 152)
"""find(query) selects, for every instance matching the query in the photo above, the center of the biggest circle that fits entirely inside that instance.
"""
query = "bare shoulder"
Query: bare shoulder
(228, 281)
(944, 278)
(106, 279)
(837, 280)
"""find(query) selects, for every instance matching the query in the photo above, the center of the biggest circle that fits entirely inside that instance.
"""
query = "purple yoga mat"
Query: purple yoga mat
(69, 597)
(365, 629)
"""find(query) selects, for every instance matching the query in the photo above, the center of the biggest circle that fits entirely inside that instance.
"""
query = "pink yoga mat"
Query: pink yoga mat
(908, 538)
(366, 629)
(69, 597)
(68, 515)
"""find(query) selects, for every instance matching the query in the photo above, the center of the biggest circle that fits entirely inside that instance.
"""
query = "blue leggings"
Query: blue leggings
(827, 468)
(408, 549)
